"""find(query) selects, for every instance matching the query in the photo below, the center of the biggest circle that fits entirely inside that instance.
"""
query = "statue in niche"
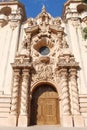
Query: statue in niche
(26, 48)
(48, 72)
(41, 72)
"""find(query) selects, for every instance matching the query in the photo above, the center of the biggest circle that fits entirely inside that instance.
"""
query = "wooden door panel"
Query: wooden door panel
(47, 111)
(40, 112)
(45, 106)
(51, 111)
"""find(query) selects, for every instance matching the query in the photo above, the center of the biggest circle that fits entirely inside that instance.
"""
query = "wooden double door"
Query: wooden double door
(45, 106)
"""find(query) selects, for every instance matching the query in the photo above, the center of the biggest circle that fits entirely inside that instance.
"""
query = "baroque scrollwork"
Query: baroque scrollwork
(43, 72)
(57, 21)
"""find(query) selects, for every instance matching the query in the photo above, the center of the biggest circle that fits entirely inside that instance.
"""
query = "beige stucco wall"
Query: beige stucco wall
(8, 43)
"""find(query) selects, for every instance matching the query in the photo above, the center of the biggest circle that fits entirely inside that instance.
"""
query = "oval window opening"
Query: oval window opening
(44, 50)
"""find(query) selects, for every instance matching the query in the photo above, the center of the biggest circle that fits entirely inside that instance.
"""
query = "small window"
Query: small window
(44, 50)
(6, 11)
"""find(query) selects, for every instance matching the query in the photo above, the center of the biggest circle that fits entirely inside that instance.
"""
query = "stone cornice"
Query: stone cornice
(31, 29)
(68, 65)
(67, 3)
(21, 62)
(12, 3)
(15, 3)
(56, 28)
(21, 66)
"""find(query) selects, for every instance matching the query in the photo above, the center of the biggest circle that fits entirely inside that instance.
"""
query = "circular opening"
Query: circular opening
(44, 50)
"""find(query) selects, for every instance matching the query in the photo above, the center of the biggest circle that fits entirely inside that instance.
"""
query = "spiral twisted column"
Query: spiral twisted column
(65, 92)
(24, 92)
(74, 91)
(16, 80)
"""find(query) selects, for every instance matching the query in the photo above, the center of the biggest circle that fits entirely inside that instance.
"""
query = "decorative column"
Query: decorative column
(74, 91)
(15, 96)
(65, 92)
(74, 97)
(29, 110)
(67, 119)
(24, 98)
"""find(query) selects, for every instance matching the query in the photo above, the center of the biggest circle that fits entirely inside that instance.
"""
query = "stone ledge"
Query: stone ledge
(41, 128)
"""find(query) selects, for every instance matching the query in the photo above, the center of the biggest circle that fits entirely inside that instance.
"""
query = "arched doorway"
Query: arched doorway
(45, 106)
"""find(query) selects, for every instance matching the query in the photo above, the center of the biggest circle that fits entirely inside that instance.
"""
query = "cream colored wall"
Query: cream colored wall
(77, 44)
(8, 44)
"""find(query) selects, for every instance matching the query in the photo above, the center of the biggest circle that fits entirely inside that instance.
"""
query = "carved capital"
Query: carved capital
(63, 72)
(73, 73)
(25, 74)
(26, 71)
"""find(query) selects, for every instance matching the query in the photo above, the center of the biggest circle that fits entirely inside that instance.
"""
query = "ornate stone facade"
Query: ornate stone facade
(43, 69)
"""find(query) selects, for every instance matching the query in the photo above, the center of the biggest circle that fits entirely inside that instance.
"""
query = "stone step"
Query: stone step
(41, 128)
(4, 109)
(5, 102)
(5, 105)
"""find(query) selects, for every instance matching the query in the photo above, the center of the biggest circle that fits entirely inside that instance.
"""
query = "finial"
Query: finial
(43, 9)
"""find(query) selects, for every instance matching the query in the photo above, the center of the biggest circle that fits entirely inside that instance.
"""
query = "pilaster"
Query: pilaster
(23, 117)
(15, 95)
(67, 119)
(75, 108)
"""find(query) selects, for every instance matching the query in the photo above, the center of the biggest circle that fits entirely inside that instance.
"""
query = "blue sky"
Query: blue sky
(33, 7)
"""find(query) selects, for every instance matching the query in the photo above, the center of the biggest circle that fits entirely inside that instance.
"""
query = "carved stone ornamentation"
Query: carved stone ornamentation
(85, 20)
(15, 92)
(3, 20)
(74, 92)
(65, 91)
(13, 25)
(57, 21)
(26, 46)
(24, 91)
(75, 22)
(21, 61)
(43, 73)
